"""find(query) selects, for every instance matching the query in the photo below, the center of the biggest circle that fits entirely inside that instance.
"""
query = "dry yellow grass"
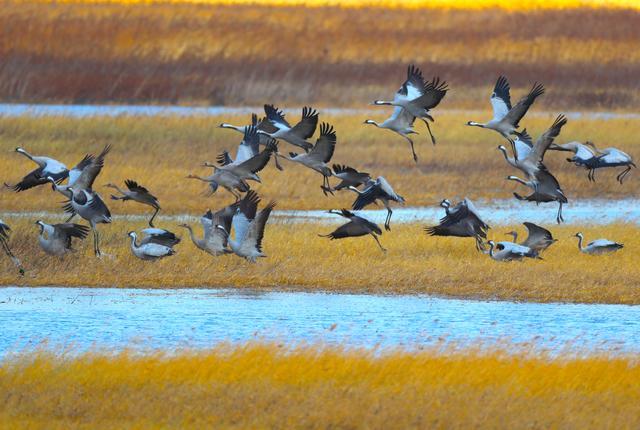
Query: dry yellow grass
(299, 260)
(160, 152)
(267, 386)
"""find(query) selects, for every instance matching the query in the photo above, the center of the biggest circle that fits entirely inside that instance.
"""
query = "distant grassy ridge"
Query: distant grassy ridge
(391, 4)
(273, 386)
(251, 54)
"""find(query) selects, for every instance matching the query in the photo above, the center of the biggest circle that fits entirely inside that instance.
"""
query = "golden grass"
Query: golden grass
(251, 54)
(160, 152)
(267, 386)
(299, 260)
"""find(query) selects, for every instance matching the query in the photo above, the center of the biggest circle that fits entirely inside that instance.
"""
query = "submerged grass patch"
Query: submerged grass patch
(270, 386)
(299, 260)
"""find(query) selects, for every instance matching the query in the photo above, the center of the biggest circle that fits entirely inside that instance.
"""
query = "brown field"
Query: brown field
(249, 54)
(268, 386)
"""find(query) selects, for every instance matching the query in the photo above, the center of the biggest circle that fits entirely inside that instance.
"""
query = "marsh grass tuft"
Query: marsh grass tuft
(274, 386)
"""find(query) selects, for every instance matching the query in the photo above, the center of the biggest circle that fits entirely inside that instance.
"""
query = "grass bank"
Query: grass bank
(160, 152)
(270, 386)
(299, 260)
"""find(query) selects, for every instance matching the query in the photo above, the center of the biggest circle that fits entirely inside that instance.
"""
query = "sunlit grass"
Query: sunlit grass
(160, 152)
(269, 386)
(300, 260)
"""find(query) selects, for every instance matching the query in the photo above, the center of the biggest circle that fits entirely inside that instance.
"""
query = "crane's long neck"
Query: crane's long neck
(133, 242)
(117, 188)
(491, 250)
(383, 103)
(232, 127)
(522, 181)
(199, 178)
(197, 242)
(476, 124)
(31, 157)
(510, 160)
(580, 243)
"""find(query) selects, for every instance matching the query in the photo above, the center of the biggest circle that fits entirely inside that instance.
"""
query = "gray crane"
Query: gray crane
(598, 246)
(356, 227)
(538, 238)
(249, 148)
(546, 188)
(400, 122)
(278, 127)
(136, 193)
(215, 240)
(583, 156)
(249, 226)
(90, 206)
(613, 157)
(4, 240)
(380, 190)
(531, 162)
(154, 245)
(56, 239)
(506, 119)
(47, 167)
(349, 177)
(418, 97)
(509, 251)
(319, 156)
(462, 220)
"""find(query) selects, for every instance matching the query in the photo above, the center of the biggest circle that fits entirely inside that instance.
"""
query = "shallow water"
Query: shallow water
(112, 319)
(494, 212)
(80, 111)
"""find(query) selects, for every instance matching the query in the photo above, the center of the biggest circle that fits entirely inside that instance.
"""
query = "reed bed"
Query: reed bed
(248, 54)
(300, 260)
(160, 152)
(273, 386)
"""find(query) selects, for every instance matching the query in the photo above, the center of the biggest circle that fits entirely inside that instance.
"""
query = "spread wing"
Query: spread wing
(33, 179)
(543, 142)
(433, 94)
(255, 233)
(135, 187)
(368, 196)
(246, 213)
(520, 109)
(325, 145)
(258, 162)
(307, 125)
(413, 86)
(501, 99)
(538, 237)
(92, 170)
(276, 116)
(249, 145)
(224, 159)
(160, 237)
(402, 117)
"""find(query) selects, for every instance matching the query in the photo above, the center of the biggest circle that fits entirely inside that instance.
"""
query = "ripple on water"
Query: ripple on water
(113, 319)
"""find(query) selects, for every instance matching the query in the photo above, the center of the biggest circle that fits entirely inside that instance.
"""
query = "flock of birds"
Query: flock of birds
(415, 99)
